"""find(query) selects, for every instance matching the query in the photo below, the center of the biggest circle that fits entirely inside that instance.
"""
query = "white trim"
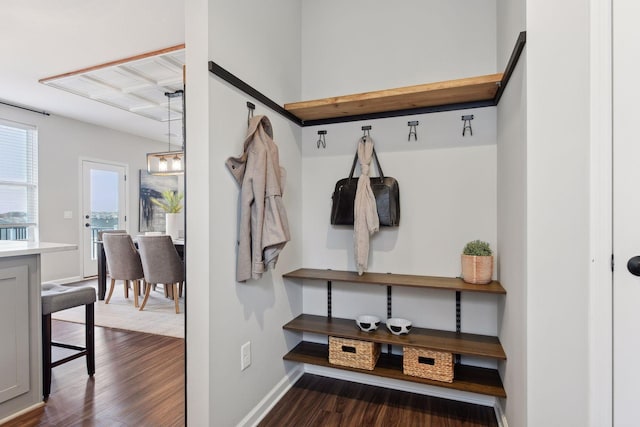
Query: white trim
(500, 415)
(21, 412)
(411, 387)
(127, 207)
(72, 279)
(269, 401)
(600, 284)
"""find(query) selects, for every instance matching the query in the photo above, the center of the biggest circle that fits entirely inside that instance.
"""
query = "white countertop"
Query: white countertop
(10, 248)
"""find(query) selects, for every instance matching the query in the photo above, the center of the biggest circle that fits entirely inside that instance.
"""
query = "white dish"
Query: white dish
(368, 323)
(398, 326)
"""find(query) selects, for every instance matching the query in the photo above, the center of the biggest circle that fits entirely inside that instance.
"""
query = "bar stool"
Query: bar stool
(56, 298)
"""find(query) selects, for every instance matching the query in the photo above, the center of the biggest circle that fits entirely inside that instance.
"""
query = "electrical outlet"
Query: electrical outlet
(245, 355)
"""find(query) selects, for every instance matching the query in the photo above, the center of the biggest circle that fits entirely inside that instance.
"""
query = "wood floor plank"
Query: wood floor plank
(321, 401)
(139, 381)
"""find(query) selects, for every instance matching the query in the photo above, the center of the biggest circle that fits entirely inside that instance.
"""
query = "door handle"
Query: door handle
(633, 265)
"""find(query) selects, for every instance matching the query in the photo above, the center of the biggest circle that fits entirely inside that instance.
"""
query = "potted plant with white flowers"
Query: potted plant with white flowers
(171, 205)
(477, 262)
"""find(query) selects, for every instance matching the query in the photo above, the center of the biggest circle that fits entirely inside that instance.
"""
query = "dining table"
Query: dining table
(102, 264)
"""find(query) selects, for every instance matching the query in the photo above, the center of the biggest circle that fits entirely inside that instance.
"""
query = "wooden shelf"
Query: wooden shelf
(452, 342)
(466, 378)
(482, 88)
(447, 283)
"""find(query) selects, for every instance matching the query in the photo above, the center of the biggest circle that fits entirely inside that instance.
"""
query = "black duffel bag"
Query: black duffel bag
(385, 190)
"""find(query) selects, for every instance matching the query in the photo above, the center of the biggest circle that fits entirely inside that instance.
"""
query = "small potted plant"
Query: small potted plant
(171, 204)
(477, 262)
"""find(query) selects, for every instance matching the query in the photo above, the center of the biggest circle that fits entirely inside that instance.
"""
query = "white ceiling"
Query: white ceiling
(43, 38)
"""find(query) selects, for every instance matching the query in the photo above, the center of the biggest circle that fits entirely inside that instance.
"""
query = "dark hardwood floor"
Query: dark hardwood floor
(139, 381)
(320, 401)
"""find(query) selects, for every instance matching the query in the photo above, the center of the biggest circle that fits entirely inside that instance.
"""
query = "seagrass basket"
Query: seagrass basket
(430, 364)
(353, 353)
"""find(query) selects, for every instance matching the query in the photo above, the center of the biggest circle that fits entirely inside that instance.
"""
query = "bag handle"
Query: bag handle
(375, 157)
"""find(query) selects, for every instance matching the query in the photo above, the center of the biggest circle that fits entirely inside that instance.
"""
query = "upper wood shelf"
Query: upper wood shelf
(467, 90)
(472, 92)
(447, 283)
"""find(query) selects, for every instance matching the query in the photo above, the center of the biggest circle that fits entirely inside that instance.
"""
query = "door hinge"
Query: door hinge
(125, 218)
(125, 177)
(613, 263)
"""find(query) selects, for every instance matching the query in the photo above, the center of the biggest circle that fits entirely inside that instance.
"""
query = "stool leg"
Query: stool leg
(90, 342)
(46, 355)
(174, 288)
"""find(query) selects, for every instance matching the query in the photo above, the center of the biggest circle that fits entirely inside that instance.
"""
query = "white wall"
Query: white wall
(359, 45)
(558, 259)
(265, 39)
(512, 220)
(62, 142)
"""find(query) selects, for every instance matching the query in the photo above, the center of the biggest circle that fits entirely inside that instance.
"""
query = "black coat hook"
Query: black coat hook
(250, 107)
(467, 124)
(321, 140)
(412, 129)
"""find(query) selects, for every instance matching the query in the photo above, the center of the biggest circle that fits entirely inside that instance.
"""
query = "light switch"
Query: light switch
(68, 215)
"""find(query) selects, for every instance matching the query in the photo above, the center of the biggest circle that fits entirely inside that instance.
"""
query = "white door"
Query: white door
(103, 207)
(626, 211)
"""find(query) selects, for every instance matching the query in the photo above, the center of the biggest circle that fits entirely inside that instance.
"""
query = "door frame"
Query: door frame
(127, 192)
(601, 215)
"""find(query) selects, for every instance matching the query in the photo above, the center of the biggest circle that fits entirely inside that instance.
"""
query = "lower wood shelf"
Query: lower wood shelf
(466, 378)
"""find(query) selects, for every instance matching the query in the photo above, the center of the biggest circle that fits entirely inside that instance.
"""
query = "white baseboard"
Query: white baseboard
(22, 412)
(66, 280)
(268, 402)
(444, 393)
(500, 415)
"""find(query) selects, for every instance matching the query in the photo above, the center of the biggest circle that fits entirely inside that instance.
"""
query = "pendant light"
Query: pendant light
(167, 162)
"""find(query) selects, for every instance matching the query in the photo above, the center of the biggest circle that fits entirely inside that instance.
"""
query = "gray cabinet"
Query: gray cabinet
(14, 330)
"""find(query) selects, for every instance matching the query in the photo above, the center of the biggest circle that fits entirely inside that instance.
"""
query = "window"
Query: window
(18, 181)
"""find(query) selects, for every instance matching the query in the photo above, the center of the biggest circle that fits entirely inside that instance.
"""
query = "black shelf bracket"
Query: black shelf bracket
(329, 299)
(458, 319)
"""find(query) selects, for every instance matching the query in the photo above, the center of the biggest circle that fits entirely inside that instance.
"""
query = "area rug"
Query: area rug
(158, 317)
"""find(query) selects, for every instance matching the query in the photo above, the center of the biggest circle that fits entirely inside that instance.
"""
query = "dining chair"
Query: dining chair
(161, 264)
(124, 263)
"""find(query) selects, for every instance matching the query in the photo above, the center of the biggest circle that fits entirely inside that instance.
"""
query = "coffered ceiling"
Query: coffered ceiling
(43, 38)
(138, 84)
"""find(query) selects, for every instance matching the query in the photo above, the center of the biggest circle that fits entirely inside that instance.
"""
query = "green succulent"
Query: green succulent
(170, 202)
(477, 248)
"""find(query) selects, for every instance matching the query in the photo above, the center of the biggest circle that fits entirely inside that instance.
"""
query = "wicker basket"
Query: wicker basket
(353, 353)
(423, 363)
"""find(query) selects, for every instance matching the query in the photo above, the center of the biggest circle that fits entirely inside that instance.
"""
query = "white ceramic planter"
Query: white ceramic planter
(172, 224)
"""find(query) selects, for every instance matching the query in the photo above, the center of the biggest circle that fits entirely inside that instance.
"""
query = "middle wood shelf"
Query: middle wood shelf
(452, 342)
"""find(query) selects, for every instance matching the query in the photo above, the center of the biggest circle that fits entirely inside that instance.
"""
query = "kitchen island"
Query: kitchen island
(20, 325)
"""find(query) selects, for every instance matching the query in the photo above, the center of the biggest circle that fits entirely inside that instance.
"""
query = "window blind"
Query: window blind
(18, 175)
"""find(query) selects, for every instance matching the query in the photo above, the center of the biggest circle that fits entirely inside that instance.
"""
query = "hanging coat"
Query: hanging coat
(263, 228)
(365, 214)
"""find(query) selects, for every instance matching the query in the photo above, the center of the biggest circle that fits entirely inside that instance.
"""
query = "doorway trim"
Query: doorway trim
(601, 210)
(127, 192)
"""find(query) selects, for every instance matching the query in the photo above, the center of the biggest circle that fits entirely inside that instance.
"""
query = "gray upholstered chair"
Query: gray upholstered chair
(161, 264)
(56, 298)
(124, 263)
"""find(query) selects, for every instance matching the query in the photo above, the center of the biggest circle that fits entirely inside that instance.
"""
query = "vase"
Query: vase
(172, 225)
(477, 269)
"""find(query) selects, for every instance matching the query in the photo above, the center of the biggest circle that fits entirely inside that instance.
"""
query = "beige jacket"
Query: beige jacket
(264, 228)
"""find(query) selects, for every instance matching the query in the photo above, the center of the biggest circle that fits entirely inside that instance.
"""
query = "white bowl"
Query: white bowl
(399, 326)
(368, 323)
